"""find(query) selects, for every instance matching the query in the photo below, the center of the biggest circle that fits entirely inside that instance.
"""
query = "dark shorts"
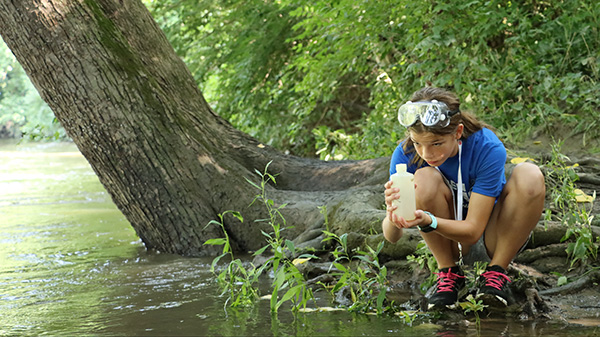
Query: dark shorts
(478, 252)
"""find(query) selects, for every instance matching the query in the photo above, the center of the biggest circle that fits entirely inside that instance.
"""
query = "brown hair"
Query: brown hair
(470, 122)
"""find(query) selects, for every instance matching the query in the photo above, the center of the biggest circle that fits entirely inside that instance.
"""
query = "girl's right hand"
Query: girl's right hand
(391, 194)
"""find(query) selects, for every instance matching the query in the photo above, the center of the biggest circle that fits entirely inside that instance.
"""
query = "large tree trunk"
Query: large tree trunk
(169, 162)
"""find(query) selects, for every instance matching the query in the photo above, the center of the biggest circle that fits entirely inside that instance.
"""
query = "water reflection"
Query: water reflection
(61, 238)
(71, 265)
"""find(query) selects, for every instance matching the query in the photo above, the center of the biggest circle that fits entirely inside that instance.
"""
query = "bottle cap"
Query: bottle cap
(400, 168)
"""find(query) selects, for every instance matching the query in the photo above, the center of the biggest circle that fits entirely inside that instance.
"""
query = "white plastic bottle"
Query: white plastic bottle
(406, 183)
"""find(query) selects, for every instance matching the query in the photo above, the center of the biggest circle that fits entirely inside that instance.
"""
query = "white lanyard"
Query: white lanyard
(459, 195)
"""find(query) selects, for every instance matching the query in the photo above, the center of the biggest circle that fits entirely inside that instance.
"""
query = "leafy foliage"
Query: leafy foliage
(238, 282)
(358, 272)
(324, 78)
(561, 179)
(327, 76)
(423, 258)
(361, 274)
(21, 108)
(286, 275)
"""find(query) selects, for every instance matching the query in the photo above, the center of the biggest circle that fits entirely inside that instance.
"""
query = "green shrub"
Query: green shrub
(327, 77)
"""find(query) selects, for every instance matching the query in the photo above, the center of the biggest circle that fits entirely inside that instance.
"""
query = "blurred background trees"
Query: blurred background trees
(325, 78)
(22, 111)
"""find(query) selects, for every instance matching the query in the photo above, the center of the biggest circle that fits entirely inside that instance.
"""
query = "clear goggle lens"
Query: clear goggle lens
(432, 113)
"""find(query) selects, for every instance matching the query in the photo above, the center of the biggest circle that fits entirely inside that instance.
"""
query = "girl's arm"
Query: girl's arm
(471, 229)
(467, 231)
(391, 232)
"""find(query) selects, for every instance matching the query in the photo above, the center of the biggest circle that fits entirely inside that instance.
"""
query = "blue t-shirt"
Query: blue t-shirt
(482, 165)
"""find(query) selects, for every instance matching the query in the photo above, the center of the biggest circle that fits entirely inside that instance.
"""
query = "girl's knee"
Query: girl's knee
(529, 180)
(430, 184)
(429, 178)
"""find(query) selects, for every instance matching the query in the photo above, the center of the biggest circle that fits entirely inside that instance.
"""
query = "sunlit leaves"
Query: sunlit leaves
(279, 70)
(21, 108)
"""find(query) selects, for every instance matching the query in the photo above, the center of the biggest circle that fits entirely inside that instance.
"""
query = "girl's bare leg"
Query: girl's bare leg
(433, 195)
(515, 214)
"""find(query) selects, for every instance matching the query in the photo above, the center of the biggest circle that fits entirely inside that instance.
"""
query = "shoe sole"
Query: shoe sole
(442, 307)
(461, 293)
(493, 301)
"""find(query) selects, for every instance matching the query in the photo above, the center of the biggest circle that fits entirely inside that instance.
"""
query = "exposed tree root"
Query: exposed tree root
(585, 281)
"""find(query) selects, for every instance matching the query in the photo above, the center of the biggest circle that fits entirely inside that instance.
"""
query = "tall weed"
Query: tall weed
(241, 283)
(561, 178)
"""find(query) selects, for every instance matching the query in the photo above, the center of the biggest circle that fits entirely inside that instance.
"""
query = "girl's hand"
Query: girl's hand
(421, 219)
(391, 194)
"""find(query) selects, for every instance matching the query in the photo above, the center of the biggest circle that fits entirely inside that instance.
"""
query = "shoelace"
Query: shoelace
(446, 281)
(495, 279)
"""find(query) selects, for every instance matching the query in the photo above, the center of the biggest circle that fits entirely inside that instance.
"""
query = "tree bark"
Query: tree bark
(168, 161)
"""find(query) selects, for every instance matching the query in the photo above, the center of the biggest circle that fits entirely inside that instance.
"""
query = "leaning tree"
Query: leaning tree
(168, 161)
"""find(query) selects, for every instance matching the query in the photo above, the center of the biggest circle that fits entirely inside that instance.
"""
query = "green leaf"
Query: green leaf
(380, 299)
(580, 249)
(340, 267)
(215, 261)
(562, 281)
(252, 183)
(383, 272)
(340, 284)
(295, 291)
(213, 222)
(344, 239)
(279, 278)
(238, 215)
(261, 250)
(290, 246)
(364, 258)
(215, 242)
(308, 255)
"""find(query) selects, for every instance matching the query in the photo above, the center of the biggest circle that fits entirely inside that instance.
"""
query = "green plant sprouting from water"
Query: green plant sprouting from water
(424, 258)
(286, 274)
(560, 181)
(241, 283)
(237, 281)
(360, 273)
(475, 306)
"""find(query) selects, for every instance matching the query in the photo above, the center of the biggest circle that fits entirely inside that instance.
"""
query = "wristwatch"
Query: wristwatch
(431, 226)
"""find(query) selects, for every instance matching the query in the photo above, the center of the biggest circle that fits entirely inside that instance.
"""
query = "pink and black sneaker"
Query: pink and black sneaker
(493, 287)
(449, 288)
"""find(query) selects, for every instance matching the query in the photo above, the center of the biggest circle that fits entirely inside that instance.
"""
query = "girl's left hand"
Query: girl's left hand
(421, 219)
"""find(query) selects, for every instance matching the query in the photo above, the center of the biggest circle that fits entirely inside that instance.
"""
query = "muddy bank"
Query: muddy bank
(539, 296)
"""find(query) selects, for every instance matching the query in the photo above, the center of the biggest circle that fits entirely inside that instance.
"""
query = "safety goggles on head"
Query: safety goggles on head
(430, 113)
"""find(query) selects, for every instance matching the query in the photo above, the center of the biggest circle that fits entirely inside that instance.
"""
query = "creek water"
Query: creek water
(71, 265)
